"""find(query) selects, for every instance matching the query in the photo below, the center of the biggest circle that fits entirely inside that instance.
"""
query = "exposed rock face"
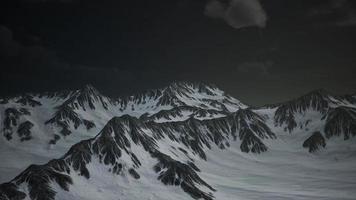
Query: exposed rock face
(55, 139)
(315, 142)
(349, 98)
(120, 134)
(12, 115)
(341, 121)
(80, 99)
(173, 172)
(185, 95)
(65, 115)
(197, 134)
(88, 96)
(28, 100)
(9, 191)
(317, 100)
(24, 130)
(39, 178)
(181, 112)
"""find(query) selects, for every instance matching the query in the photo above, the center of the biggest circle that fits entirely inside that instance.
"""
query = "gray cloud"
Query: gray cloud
(237, 13)
(343, 11)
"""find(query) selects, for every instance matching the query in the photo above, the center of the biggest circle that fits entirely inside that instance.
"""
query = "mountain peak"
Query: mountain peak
(89, 94)
(320, 92)
(200, 87)
(89, 89)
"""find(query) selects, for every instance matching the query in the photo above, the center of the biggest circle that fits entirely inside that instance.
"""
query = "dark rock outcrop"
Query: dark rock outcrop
(180, 111)
(9, 191)
(28, 100)
(341, 121)
(39, 178)
(12, 115)
(176, 93)
(318, 100)
(88, 96)
(315, 142)
(55, 139)
(173, 172)
(64, 116)
(24, 130)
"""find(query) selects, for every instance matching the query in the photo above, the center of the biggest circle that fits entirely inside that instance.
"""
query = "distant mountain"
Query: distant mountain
(317, 111)
(183, 141)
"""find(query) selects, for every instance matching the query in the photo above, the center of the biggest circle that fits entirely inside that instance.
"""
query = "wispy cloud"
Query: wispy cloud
(237, 13)
(342, 11)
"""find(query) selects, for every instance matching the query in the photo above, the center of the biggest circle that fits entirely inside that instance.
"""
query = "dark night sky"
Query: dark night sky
(259, 51)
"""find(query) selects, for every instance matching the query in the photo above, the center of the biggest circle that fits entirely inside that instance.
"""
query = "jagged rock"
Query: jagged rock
(134, 173)
(181, 112)
(252, 129)
(39, 178)
(197, 134)
(28, 100)
(172, 172)
(318, 100)
(251, 142)
(62, 117)
(79, 156)
(12, 115)
(64, 94)
(181, 94)
(66, 115)
(349, 98)
(88, 124)
(284, 117)
(4, 100)
(9, 191)
(24, 131)
(88, 95)
(55, 139)
(314, 142)
(341, 120)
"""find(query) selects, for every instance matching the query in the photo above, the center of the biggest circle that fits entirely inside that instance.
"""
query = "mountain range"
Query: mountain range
(184, 141)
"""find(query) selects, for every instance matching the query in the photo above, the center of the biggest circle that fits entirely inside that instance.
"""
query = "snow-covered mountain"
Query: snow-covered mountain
(39, 127)
(317, 111)
(184, 141)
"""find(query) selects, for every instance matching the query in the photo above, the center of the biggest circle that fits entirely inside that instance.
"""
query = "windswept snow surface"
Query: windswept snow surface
(285, 171)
